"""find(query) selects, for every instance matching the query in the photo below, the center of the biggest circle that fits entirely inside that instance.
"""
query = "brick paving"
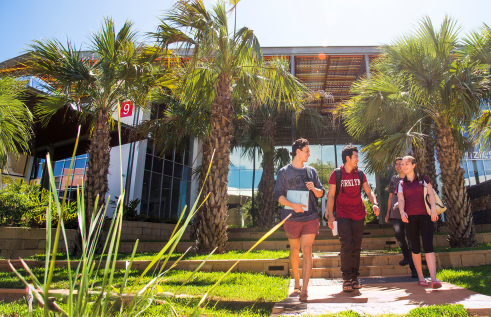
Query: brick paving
(379, 295)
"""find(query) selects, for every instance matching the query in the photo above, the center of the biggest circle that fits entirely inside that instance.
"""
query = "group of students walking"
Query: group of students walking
(407, 213)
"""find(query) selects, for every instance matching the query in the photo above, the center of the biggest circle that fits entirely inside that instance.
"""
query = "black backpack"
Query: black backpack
(339, 175)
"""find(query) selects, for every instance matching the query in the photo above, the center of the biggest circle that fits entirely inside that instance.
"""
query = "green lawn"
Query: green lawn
(231, 255)
(235, 286)
(183, 307)
(224, 309)
(477, 279)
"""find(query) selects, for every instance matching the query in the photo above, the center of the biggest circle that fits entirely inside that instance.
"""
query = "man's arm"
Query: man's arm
(372, 198)
(315, 185)
(389, 203)
(330, 205)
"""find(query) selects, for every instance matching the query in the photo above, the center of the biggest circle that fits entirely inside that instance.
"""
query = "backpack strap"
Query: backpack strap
(360, 175)
(339, 175)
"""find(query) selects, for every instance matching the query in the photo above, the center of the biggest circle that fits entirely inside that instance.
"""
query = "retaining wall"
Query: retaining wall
(24, 242)
(147, 231)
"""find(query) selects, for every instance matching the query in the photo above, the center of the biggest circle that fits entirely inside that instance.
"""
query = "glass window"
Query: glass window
(168, 168)
(174, 211)
(178, 170)
(79, 166)
(480, 171)
(471, 171)
(487, 169)
(154, 201)
(165, 198)
(145, 187)
(315, 154)
(58, 170)
(234, 160)
(148, 162)
(234, 179)
(186, 173)
(157, 165)
(149, 146)
(179, 157)
(246, 179)
(187, 159)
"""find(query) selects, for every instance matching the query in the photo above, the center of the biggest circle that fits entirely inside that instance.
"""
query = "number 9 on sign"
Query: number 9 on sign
(126, 109)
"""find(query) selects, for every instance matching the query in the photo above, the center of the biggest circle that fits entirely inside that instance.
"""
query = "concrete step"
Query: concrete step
(365, 260)
(320, 245)
(370, 270)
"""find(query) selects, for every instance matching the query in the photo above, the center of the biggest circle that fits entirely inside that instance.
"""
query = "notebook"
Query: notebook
(298, 196)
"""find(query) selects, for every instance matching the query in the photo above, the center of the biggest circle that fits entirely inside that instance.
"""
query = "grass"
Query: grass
(477, 279)
(231, 255)
(223, 309)
(234, 287)
(182, 306)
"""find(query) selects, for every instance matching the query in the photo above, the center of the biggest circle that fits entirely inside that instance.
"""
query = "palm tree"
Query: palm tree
(116, 68)
(422, 83)
(477, 48)
(219, 62)
(15, 121)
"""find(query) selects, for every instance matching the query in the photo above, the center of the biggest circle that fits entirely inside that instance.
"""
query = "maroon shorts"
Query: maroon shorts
(296, 229)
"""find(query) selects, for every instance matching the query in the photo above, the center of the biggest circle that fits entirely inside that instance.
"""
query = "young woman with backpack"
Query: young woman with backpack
(418, 223)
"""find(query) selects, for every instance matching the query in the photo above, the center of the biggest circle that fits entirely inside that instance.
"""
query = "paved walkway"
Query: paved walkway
(379, 295)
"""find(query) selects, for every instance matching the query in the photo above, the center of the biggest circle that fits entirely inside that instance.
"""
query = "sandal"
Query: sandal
(436, 284)
(297, 290)
(347, 286)
(423, 283)
(355, 284)
(303, 296)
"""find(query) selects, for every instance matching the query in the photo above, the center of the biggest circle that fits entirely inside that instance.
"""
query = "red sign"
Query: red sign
(126, 109)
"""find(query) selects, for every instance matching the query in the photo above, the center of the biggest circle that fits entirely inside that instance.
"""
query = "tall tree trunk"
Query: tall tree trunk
(459, 213)
(266, 190)
(266, 186)
(97, 171)
(211, 222)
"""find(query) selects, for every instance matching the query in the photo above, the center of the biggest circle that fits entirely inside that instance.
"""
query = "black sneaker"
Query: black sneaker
(414, 274)
(404, 262)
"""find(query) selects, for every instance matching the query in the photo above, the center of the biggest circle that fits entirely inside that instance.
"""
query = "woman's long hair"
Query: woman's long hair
(413, 161)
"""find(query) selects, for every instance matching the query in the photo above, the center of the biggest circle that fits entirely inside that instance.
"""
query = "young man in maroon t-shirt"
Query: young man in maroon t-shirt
(350, 214)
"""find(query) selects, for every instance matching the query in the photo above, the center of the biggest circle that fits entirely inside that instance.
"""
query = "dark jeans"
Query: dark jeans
(400, 233)
(350, 234)
(420, 224)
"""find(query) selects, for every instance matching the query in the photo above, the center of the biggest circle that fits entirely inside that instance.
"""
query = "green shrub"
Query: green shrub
(25, 205)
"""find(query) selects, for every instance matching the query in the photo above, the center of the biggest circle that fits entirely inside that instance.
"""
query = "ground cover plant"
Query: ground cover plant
(25, 205)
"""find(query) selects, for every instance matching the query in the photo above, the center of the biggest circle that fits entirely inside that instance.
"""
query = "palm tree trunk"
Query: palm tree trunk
(459, 213)
(211, 222)
(266, 190)
(266, 186)
(98, 169)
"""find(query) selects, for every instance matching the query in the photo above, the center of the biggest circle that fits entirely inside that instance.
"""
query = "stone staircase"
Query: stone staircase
(370, 265)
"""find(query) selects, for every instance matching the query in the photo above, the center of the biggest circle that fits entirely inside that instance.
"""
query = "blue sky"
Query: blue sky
(276, 22)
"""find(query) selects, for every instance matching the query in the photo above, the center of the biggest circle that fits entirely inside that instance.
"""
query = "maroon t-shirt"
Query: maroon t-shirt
(414, 203)
(349, 204)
